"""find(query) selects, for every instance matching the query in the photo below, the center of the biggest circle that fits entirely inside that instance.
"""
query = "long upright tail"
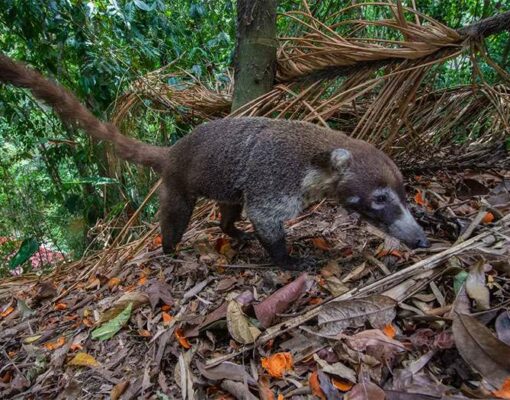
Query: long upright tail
(71, 111)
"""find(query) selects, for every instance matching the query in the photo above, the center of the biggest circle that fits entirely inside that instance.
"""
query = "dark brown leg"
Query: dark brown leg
(175, 213)
(231, 213)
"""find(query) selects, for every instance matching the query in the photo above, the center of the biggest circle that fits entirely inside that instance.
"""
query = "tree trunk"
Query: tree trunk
(255, 61)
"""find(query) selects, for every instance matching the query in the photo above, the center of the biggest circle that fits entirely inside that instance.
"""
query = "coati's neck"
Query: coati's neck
(317, 185)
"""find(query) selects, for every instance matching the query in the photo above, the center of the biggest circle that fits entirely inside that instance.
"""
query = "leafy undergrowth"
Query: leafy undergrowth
(372, 321)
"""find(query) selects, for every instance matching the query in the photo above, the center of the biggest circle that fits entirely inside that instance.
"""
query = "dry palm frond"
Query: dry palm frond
(361, 82)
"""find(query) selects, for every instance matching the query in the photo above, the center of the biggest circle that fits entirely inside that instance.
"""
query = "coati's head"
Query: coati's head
(367, 181)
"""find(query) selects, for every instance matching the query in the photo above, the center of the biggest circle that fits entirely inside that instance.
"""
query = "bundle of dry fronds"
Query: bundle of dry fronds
(348, 75)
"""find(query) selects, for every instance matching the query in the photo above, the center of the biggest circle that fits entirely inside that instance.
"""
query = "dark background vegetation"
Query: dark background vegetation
(55, 184)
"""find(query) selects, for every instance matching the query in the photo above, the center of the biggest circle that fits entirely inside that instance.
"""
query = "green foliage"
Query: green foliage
(55, 182)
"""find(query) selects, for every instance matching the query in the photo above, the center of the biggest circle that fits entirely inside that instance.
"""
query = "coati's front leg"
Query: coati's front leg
(271, 235)
(175, 212)
(231, 213)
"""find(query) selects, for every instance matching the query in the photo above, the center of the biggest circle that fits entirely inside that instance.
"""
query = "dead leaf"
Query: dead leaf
(226, 370)
(239, 327)
(113, 282)
(502, 326)
(342, 385)
(6, 312)
(182, 339)
(56, 344)
(315, 386)
(504, 391)
(476, 288)
(167, 318)
(390, 331)
(159, 291)
(265, 392)
(118, 390)
(481, 349)
(280, 300)
(108, 329)
(365, 391)
(336, 316)
(329, 390)
(338, 369)
(321, 244)
(488, 218)
(335, 286)
(60, 306)
(238, 390)
(277, 364)
(83, 360)
(136, 299)
(418, 199)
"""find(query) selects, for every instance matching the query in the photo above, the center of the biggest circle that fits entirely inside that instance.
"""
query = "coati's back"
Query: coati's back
(227, 158)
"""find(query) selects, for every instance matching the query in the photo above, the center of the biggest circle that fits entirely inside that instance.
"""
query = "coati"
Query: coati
(272, 168)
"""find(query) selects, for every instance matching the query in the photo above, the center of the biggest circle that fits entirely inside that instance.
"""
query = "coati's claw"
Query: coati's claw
(246, 236)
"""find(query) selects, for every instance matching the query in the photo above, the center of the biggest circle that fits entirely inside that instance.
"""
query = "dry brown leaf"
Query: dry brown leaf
(488, 218)
(118, 390)
(365, 391)
(481, 349)
(83, 360)
(390, 331)
(6, 312)
(56, 344)
(504, 391)
(182, 339)
(342, 385)
(277, 364)
(239, 327)
(60, 306)
(315, 386)
(321, 244)
(226, 370)
(265, 392)
(167, 318)
(159, 291)
(113, 282)
(280, 300)
(330, 391)
(476, 287)
(336, 316)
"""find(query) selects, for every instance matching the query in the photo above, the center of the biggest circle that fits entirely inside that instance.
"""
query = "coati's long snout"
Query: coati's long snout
(271, 168)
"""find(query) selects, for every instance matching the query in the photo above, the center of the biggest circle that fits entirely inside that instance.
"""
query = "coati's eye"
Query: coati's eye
(381, 198)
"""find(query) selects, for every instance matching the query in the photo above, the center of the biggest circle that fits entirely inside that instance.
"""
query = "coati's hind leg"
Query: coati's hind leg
(175, 212)
(231, 213)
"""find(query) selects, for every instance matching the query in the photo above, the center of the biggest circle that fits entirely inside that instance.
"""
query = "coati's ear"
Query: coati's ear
(336, 160)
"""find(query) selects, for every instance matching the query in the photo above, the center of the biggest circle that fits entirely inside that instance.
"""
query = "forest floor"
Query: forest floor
(372, 321)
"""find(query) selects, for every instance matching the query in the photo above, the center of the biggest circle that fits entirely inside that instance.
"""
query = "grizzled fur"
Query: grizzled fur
(272, 168)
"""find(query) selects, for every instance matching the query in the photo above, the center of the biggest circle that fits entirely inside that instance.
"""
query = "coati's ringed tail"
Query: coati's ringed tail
(72, 112)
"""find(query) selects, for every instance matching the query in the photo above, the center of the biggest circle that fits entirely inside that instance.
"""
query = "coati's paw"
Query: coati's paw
(298, 264)
(245, 236)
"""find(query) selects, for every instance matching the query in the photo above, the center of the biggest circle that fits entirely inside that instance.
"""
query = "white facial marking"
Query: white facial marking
(391, 197)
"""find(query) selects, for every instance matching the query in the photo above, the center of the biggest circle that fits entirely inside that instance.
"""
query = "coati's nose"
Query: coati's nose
(422, 243)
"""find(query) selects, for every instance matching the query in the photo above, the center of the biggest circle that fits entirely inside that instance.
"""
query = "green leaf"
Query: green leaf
(26, 250)
(110, 328)
(143, 6)
(459, 280)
